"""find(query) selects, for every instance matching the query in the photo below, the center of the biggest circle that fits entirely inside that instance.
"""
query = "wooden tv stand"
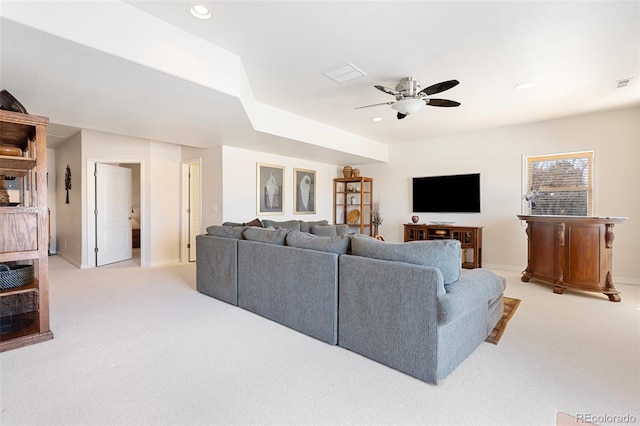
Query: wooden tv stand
(571, 251)
(470, 237)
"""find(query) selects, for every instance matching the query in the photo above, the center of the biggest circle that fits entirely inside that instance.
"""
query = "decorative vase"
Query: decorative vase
(355, 173)
(347, 171)
(415, 219)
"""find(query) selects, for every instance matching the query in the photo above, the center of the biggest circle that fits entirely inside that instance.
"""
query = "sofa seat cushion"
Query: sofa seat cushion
(226, 231)
(263, 235)
(442, 254)
(476, 287)
(335, 244)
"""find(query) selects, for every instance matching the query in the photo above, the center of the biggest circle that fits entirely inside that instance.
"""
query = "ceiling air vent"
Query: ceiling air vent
(344, 73)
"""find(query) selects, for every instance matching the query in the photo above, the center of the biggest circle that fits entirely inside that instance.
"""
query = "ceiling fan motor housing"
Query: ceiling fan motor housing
(408, 87)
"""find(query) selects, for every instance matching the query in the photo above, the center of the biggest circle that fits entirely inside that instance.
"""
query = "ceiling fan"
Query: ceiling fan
(409, 97)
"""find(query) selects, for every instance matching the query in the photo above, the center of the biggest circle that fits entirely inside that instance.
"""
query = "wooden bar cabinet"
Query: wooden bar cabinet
(571, 252)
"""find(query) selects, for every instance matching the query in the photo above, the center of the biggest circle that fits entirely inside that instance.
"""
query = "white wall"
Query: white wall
(497, 155)
(239, 178)
(68, 230)
(159, 174)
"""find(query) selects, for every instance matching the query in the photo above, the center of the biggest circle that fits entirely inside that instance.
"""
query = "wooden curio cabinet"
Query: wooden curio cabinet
(24, 234)
(353, 204)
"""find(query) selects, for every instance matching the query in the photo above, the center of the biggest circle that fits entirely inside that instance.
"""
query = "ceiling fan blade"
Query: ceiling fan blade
(442, 102)
(439, 87)
(401, 116)
(387, 90)
(367, 106)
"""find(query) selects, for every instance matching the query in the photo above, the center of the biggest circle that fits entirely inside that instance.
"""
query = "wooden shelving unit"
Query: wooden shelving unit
(24, 228)
(470, 238)
(349, 195)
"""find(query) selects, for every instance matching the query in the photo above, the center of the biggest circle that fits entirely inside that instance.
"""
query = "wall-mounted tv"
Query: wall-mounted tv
(447, 194)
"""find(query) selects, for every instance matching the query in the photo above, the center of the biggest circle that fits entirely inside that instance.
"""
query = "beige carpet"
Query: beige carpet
(139, 346)
(510, 306)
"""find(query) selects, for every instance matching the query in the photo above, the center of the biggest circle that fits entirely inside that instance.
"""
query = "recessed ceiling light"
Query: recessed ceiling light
(522, 86)
(376, 119)
(200, 11)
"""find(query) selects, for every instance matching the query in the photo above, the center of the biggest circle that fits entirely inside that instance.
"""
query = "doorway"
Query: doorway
(191, 207)
(114, 211)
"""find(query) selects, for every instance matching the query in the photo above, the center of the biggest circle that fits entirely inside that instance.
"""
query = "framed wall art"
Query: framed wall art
(305, 190)
(269, 189)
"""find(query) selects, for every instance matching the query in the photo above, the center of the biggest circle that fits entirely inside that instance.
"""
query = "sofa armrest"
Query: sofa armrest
(217, 267)
(475, 287)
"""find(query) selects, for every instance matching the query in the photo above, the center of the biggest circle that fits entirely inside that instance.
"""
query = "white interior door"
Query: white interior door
(113, 210)
(194, 208)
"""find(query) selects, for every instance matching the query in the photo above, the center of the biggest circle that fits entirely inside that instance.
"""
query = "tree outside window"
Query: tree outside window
(560, 184)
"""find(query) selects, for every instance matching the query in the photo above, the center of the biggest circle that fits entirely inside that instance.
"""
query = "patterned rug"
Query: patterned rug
(510, 306)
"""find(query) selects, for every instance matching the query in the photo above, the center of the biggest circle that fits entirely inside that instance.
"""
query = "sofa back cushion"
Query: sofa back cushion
(226, 231)
(329, 230)
(293, 225)
(442, 254)
(334, 244)
(263, 235)
(306, 226)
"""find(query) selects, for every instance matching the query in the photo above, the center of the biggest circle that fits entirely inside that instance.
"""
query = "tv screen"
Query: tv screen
(447, 194)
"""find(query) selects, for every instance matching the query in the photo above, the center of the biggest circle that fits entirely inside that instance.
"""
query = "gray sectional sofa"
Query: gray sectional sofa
(406, 305)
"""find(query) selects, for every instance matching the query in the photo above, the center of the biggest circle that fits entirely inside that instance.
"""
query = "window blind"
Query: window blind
(561, 184)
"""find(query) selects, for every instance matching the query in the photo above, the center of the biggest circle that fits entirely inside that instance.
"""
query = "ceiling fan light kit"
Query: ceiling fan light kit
(410, 99)
(408, 106)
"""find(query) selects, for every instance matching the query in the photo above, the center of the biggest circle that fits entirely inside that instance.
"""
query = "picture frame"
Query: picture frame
(269, 189)
(304, 182)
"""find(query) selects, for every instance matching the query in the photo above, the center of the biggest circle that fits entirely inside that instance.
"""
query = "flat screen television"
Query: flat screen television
(447, 194)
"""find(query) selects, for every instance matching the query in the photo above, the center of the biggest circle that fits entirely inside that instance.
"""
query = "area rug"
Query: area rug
(510, 306)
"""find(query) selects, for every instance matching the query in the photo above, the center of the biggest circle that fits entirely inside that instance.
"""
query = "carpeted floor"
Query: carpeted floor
(510, 306)
(140, 346)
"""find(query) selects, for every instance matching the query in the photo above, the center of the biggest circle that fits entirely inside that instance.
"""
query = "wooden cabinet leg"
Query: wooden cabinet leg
(558, 289)
(614, 297)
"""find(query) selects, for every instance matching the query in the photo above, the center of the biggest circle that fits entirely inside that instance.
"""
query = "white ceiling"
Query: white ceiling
(573, 51)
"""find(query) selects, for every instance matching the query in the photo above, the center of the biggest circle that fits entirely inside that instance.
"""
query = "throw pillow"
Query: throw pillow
(336, 244)
(306, 226)
(254, 222)
(270, 236)
(442, 254)
(293, 225)
(226, 231)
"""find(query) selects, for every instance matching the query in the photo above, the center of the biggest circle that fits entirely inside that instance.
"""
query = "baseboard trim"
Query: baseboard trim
(616, 279)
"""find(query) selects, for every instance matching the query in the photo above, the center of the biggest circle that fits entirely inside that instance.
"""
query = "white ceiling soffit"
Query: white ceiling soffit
(574, 52)
(145, 84)
(111, 63)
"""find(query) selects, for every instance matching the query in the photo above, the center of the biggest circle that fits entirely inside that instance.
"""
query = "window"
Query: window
(559, 184)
